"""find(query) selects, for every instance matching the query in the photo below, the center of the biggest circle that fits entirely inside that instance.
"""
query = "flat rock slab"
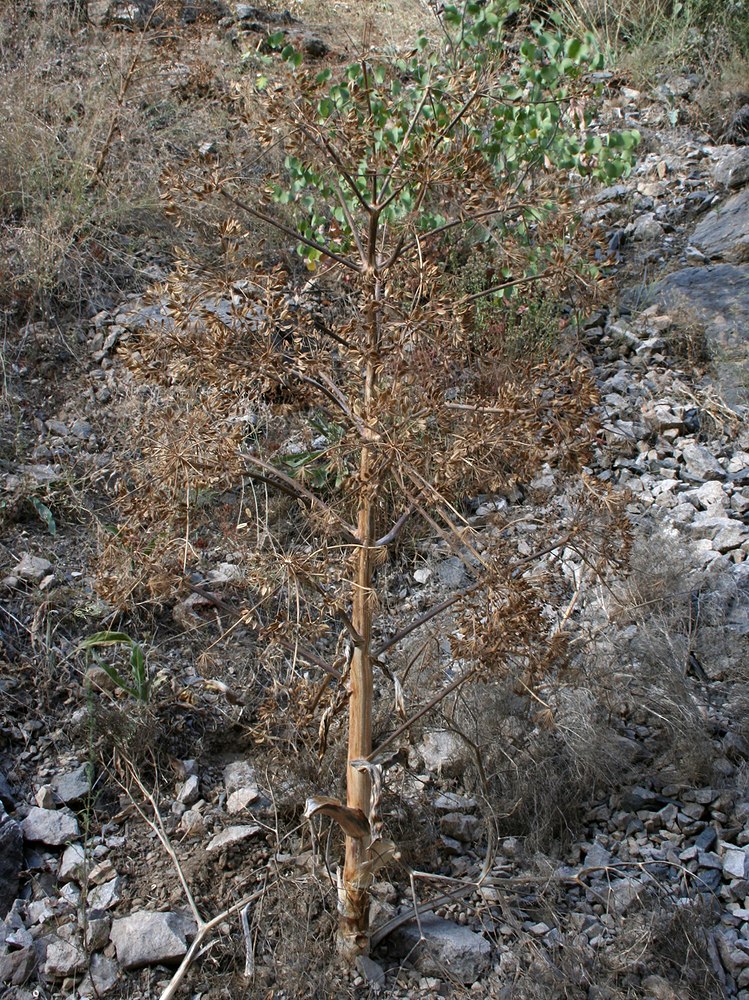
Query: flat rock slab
(716, 299)
(724, 233)
(148, 938)
(233, 835)
(53, 827)
(32, 568)
(73, 786)
(446, 949)
(717, 295)
(63, 958)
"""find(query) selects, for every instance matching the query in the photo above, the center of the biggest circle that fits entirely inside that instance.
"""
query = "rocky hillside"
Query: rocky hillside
(594, 846)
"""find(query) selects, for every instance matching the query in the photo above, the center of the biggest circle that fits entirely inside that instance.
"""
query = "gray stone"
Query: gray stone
(452, 802)
(107, 895)
(239, 774)
(460, 827)
(17, 967)
(623, 894)
(97, 930)
(148, 938)
(11, 861)
(443, 752)
(597, 856)
(6, 794)
(735, 863)
(225, 573)
(32, 568)
(446, 950)
(709, 496)
(45, 797)
(103, 974)
(701, 463)
(239, 800)
(724, 233)
(647, 227)
(72, 864)
(714, 298)
(707, 839)
(64, 955)
(189, 793)
(232, 835)
(732, 170)
(372, 971)
(50, 826)
(73, 786)
(451, 573)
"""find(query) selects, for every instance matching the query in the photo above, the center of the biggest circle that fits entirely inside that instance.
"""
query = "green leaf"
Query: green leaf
(45, 514)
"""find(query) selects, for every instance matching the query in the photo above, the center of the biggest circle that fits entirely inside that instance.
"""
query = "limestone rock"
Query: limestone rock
(239, 800)
(724, 233)
(73, 786)
(239, 774)
(447, 949)
(72, 863)
(732, 170)
(32, 568)
(232, 835)
(50, 826)
(17, 967)
(460, 827)
(735, 863)
(701, 463)
(442, 752)
(107, 895)
(148, 938)
(103, 974)
(65, 956)
(189, 793)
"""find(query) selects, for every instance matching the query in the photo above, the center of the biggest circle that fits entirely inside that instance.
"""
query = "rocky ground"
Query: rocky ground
(632, 879)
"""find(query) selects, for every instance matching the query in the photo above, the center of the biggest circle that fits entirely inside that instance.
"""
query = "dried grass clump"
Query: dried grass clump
(90, 118)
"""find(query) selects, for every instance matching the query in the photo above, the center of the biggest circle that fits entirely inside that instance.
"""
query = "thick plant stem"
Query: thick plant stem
(353, 900)
(354, 892)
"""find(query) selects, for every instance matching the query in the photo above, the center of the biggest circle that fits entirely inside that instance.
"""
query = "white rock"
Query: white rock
(734, 862)
(32, 568)
(443, 752)
(73, 863)
(460, 827)
(45, 797)
(73, 786)
(732, 170)
(232, 835)
(50, 826)
(239, 800)
(148, 938)
(189, 793)
(107, 895)
(225, 573)
(239, 774)
(701, 463)
(422, 575)
(446, 948)
(102, 975)
(708, 496)
(63, 957)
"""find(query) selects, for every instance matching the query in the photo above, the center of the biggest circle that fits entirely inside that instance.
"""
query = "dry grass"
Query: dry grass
(91, 118)
(648, 39)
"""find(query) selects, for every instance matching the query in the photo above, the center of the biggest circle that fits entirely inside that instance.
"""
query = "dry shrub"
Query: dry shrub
(540, 771)
(677, 626)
